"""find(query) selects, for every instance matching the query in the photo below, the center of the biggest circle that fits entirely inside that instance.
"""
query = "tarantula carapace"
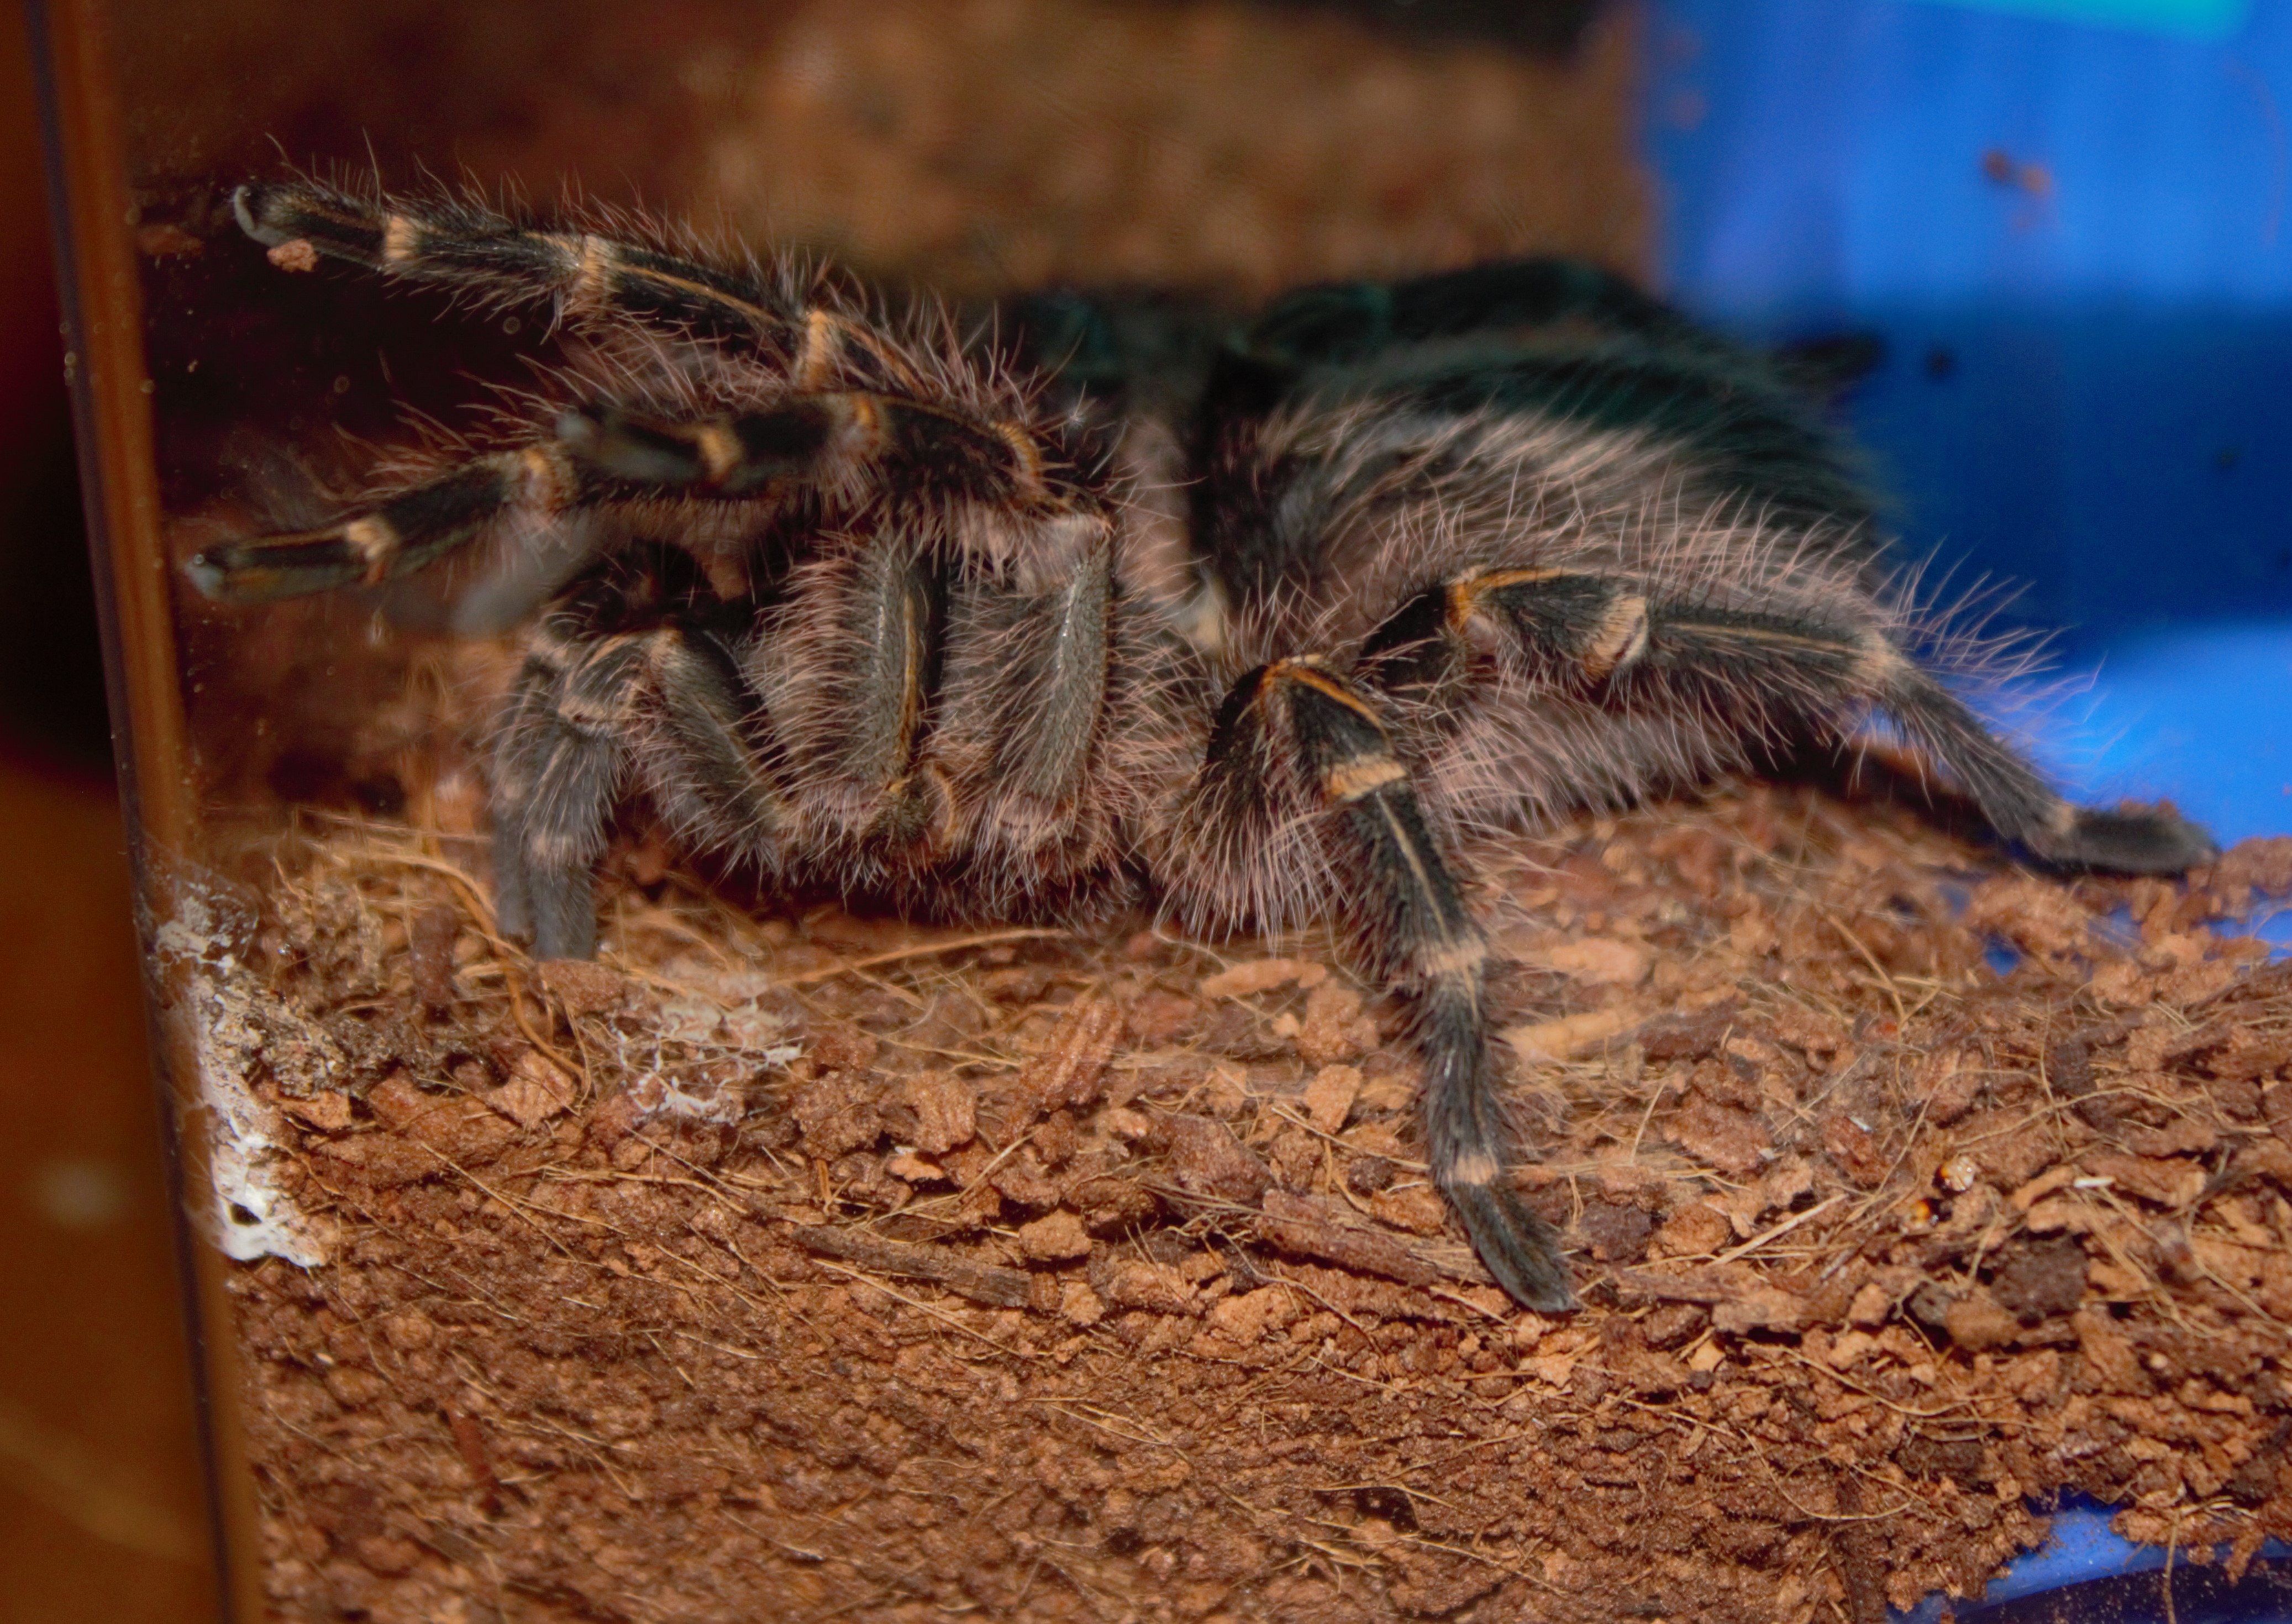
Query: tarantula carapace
(1259, 619)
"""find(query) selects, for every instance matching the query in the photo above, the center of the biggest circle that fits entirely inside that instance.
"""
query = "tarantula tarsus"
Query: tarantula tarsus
(1260, 619)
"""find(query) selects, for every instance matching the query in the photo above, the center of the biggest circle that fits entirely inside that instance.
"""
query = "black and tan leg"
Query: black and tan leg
(588, 276)
(844, 441)
(559, 764)
(871, 672)
(700, 757)
(592, 710)
(1758, 675)
(867, 689)
(398, 535)
(1055, 685)
(852, 425)
(1027, 675)
(1298, 722)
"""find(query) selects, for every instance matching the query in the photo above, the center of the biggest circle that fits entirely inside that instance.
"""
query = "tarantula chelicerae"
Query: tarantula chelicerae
(1259, 619)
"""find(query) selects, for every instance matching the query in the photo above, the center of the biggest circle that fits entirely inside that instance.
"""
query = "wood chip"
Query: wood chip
(1261, 975)
(1054, 1238)
(1330, 1096)
(2166, 1182)
(536, 1091)
(1208, 1160)
(1418, 1209)
(1068, 1072)
(1570, 1035)
(2053, 1178)
(583, 987)
(1155, 1287)
(1600, 961)
(1729, 1139)
(327, 1110)
(1762, 1308)
(1314, 1229)
(946, 1111)
(980, 1282)
(1977, 1322)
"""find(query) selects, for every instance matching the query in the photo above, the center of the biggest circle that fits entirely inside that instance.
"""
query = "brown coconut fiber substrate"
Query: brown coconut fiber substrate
(826, 1268)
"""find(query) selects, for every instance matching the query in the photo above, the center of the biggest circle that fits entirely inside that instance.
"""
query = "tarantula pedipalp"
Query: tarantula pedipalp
(1259, 619)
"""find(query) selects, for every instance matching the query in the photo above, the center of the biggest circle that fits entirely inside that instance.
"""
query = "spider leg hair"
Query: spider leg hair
(591, 278)
(595, 707)
(1763, 672)
(850, 668)
(559, 764)
(845, 440)
(1026, 693)
(2017, 802)
(396, 536)
(848, 443)
(1298, 721)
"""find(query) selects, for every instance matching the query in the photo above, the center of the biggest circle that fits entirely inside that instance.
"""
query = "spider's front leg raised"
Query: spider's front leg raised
(849, 443)
(595, 280)
(839, 411)
(1296, 734)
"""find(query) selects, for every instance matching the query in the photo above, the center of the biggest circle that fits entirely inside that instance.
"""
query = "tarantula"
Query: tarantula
(1257, 618)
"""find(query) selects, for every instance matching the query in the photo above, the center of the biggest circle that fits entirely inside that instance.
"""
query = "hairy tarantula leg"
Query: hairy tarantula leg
(558, 768)
(395, 537)
(1053, 687)
(524, 721)
(2017, 802)
(594, 705)
(565, 750)
(697, 760)
(1418, 933)
(588, 276)
(1585, 628)
(824, 438)
(859, 709)
(899, 641)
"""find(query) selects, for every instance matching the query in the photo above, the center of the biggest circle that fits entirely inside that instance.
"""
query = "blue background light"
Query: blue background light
(2076, 241)
(2204, 19)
